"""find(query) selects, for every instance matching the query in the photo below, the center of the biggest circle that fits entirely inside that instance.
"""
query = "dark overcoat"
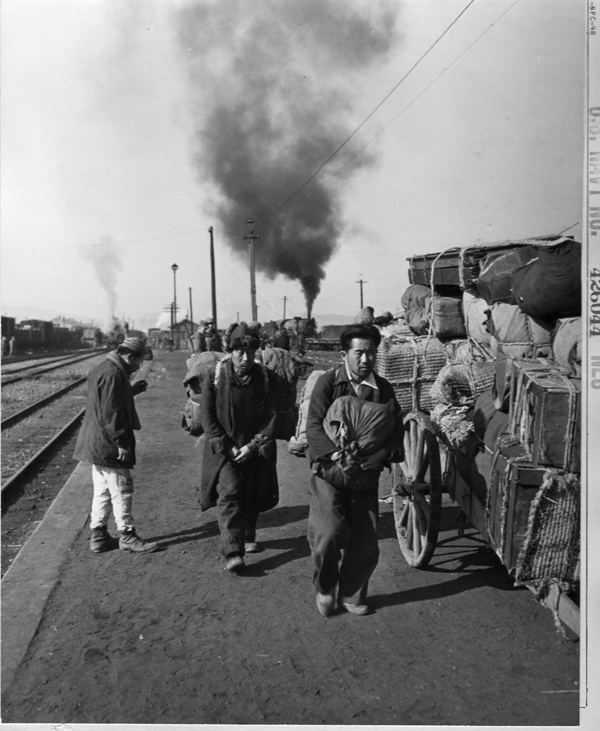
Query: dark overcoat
(254, 425)
(110, 416)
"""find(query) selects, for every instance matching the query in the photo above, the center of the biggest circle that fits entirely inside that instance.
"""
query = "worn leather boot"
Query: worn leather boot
(100, 540)
(130, 542)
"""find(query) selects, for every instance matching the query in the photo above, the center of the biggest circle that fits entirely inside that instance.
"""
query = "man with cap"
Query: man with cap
(239, 409)
(343, 493)
(107, 441)
(207, 338)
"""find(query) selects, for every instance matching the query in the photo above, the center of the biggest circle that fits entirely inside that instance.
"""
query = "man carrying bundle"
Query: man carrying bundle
(239, 410)
(344, 508)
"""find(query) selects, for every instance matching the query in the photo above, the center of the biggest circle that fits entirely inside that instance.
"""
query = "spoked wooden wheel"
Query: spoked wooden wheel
(417, 492)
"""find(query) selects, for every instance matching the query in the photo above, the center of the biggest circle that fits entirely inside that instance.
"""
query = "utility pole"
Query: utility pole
(212, 277)
(361, 282)
(251, 237)
(191, 311)
(284, 303)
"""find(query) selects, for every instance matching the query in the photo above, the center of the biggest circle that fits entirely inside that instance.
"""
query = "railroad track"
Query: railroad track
(40, 369)
(32, 408)
(30, 434)
(9, 360)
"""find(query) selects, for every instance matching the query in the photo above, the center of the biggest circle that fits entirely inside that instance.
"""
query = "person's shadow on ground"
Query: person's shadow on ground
(271, 519)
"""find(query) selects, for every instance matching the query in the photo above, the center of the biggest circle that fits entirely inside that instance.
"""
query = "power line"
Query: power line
(468, 48)
(366, 119)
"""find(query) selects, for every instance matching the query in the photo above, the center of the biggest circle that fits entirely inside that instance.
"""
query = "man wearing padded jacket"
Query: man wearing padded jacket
(343, 506)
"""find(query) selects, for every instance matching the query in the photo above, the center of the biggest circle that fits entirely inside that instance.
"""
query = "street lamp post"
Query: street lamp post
(250, 236)
(174, 268)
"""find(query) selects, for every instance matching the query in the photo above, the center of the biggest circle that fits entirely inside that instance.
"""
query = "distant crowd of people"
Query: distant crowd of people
(240, 406)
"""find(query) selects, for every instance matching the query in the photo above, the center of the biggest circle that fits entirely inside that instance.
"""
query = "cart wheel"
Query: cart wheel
(417, 493)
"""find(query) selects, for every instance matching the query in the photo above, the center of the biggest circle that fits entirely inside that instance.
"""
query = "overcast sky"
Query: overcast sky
(129, 128)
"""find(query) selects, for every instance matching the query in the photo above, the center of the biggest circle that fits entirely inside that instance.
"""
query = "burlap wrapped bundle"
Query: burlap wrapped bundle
(411, 365)
(461, 383)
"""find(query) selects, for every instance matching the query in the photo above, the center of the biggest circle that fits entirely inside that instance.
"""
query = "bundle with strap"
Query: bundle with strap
(199, 366)
(281, 363)
(493, 282)
(411, 365)
(550, 286)
(519, 335)
(298, 444)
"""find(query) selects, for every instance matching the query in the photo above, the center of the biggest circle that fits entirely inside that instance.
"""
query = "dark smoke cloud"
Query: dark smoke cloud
(274, 87)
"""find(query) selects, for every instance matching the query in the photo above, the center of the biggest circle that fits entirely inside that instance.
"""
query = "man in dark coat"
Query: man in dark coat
(343, 500)
(207, 338)
(239, 410)
(283, 339)
(106, 440)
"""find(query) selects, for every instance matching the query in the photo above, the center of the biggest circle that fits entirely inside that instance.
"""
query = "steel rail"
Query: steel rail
(36, 457)
(14, 418)
(8, 360)
(7, 381)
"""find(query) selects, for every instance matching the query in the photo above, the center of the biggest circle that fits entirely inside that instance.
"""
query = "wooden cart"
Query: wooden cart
(429, 471)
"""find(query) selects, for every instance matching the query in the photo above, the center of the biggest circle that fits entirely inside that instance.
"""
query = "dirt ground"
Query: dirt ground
(172, 638)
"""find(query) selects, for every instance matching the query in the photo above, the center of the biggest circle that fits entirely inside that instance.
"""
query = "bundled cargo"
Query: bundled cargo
(198, 367)
(440, 313)
(461, 266)
(475, 312)
(416, 302)
(566, 344)
(550, 285)
(446, 316)
(518, 335)
(494, 280)
(545, 408)
(461, 383)
(533, 517)
(411, 365)
(298, 444)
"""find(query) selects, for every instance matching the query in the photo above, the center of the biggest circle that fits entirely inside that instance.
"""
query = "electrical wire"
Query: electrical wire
(468, 48)
(371, 113)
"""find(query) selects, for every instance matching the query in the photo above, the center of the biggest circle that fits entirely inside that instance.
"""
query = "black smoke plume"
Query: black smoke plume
(274, 87)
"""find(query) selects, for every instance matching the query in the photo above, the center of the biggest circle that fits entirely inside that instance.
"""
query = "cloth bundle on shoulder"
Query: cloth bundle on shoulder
(475, 313)
(281, 363)
(518, 335)
(566, 344)
(198, 366)
(297, 445)
(550, 286)
(493, 282)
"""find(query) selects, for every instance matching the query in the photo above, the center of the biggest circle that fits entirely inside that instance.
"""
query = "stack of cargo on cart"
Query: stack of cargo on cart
(487, 368)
